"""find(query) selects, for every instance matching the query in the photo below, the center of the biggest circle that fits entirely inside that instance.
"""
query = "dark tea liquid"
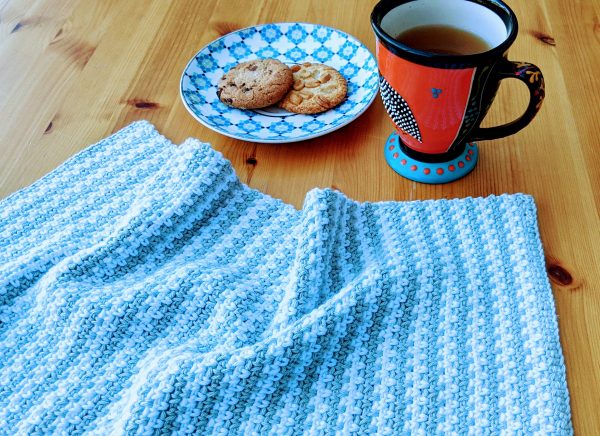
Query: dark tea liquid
(443, 39)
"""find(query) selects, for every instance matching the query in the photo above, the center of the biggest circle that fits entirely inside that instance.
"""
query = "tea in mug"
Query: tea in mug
(442, 39)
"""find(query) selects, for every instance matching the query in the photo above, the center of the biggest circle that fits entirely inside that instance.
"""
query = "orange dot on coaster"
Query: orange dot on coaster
(468, 157)
(471, 144)
(403, 161)
(461, 164)
(426, 170)
(413, 168)
(451, 168)
(392, 147)
(470, 152)
(440, 171)
(392, 139)
(396, 155)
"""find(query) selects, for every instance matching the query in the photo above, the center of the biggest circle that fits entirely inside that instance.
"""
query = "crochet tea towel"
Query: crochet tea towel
(145, 290)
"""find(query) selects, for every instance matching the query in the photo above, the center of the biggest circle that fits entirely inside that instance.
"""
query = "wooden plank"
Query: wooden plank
(74, 86)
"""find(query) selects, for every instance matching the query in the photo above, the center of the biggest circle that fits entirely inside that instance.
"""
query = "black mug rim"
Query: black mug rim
(427, 58)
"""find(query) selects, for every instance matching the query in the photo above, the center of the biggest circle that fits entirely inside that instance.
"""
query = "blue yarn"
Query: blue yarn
(144, 289)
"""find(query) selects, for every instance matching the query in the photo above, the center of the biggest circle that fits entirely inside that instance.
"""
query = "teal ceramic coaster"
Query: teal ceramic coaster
(427, 172)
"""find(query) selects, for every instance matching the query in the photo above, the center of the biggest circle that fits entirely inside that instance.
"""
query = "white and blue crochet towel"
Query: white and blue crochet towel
(145, 290)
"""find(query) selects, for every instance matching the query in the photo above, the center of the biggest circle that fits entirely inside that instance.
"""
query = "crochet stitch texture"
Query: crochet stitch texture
(144, 289)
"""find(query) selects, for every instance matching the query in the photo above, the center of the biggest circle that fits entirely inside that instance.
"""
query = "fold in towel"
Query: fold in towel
(144, 289)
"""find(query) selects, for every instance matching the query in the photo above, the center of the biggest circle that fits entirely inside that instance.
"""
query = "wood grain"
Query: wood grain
(73, 71)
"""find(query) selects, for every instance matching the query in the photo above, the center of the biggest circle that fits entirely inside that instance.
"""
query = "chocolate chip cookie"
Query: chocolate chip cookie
(316, 88)
(255, 84)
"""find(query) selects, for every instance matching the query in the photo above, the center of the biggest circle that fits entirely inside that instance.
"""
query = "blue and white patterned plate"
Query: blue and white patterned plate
(291, 43)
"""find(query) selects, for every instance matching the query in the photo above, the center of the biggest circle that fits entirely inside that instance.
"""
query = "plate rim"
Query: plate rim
(275, 141)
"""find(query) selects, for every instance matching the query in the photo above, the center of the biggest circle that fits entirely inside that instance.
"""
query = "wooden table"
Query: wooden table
(73, 71)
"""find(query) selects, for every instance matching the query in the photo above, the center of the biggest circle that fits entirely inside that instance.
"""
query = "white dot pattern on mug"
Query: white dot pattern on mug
(399, 110)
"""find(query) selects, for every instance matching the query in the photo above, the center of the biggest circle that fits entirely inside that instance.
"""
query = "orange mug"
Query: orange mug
(438, 100)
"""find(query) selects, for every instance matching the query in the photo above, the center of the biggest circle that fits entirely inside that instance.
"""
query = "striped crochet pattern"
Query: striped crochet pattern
(145, 290)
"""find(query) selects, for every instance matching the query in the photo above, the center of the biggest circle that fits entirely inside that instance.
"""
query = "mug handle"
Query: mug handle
(533, 78)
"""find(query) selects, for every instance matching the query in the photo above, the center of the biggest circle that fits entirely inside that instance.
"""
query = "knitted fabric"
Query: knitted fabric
(144, 289)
